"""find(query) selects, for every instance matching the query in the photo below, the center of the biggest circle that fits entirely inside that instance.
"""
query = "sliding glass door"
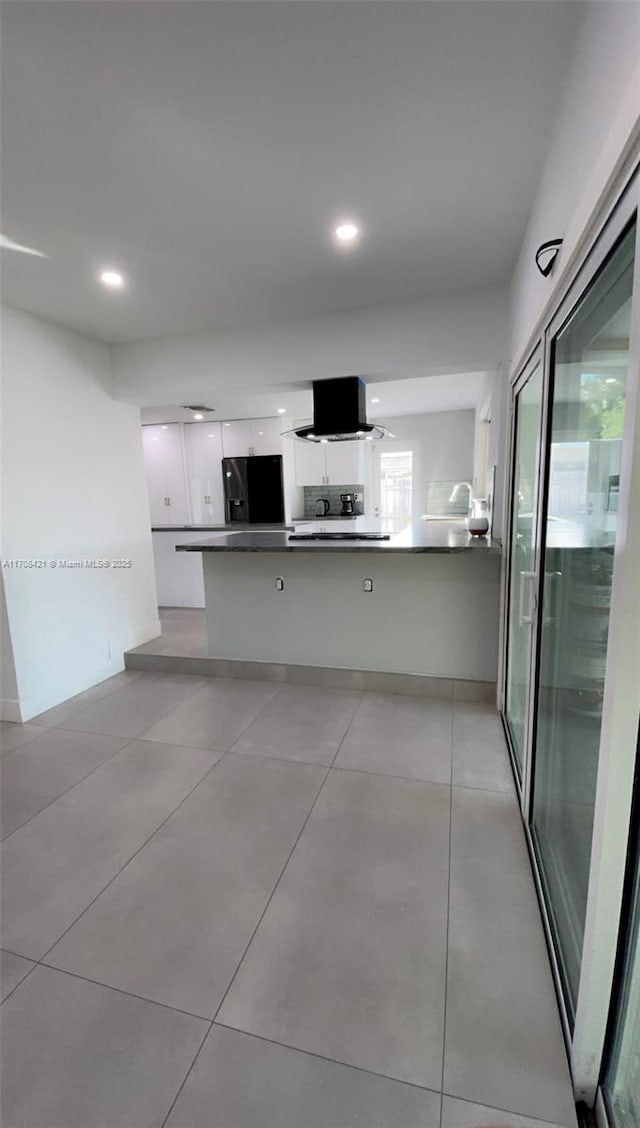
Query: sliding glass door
(622, 1079)
(588, 381)
(527, 409)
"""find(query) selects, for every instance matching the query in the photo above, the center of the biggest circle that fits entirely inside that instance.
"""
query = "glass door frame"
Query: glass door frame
(632, 875)
(586, 1045)
(616, 760)
(536, 360)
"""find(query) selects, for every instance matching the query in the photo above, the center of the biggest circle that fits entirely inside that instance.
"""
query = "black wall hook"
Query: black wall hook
(546, 256)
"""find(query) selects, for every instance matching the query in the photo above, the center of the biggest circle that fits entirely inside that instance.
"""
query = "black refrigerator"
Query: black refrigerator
(253, 489)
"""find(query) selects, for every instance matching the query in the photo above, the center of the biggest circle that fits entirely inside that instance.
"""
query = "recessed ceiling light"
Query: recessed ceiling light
(376, 399)
(346, 232)
(611, 380)
(112, 279)
(261, 432)
(227, 424)
(164, 427)
(210, 436)
(198, 415)
(281, 410)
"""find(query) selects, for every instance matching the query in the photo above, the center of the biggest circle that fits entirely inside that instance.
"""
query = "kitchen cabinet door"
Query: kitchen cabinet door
(311, 463)
(237, 438)
(345, 463)
(164, 465)
(266, 436)
(203, 444)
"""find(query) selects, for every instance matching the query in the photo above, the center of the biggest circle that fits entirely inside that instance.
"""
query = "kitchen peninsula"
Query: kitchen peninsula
(425, 602)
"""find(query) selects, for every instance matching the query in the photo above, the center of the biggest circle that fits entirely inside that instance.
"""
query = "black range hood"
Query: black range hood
(339, 413)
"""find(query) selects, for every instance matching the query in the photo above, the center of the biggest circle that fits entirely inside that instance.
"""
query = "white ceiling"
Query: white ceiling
(206, 148)
(397, 397)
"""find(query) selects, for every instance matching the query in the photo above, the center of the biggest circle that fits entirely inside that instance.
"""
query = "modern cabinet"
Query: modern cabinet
(164, 464)
(266, 436)
(244, 437)
(236, 438)
(329, 464)
(203, 446)
(345, 463)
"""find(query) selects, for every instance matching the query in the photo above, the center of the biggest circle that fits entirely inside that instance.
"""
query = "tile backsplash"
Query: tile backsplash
(332, 494)
(437, 500)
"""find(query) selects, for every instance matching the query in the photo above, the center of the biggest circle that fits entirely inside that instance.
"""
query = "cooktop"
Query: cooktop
(339, 536)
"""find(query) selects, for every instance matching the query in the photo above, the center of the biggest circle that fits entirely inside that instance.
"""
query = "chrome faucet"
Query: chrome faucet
(462, 485)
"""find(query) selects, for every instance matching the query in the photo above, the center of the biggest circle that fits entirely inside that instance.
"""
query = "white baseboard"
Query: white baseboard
(10, 710)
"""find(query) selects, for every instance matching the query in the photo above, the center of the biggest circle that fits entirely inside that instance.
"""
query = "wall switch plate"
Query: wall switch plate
(367, 585)
(279, 583)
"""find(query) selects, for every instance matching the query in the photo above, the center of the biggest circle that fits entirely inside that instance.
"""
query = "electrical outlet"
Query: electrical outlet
(367, 585)
(279, 583)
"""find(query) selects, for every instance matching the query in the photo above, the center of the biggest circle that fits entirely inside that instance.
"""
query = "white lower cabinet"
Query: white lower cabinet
(164, 464)
(203, 445)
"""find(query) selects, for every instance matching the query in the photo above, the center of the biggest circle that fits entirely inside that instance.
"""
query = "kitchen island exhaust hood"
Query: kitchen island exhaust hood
(339, 413)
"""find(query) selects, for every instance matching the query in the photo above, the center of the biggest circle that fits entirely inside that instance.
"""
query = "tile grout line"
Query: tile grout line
(147, 840)
(323, 1057)
(19, 984)
(122, 991)
(134, 855)
(134, 675)
(271, 895)
(507, 1111)
(187, 1074)
(71, 786)
(103, 697)
(162, 717)
(446, 960)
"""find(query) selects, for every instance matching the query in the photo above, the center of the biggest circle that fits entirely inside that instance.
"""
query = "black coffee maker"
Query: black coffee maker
(348, 502)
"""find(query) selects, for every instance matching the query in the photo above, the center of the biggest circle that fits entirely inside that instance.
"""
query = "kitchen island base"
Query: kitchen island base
(432, 616)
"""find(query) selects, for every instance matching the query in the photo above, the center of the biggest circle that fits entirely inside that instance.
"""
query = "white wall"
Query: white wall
(73, 487)
(446, 440)
(464, 333)
(8, 683)
(596, 123)
(443, 446)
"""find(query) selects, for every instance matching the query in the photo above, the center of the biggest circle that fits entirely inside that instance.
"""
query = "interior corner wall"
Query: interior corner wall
(597, 124)
(73, 489)
(9, 702)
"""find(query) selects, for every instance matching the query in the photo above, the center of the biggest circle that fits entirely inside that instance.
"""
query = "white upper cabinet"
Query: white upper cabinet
(345, 463)
(164, 463)
(203, 443)
(266, 436)
(236, 438)
(310, 462)
(328, 464)
(244, 437)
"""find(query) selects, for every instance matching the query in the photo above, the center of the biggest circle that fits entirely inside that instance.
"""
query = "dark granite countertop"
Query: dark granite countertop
(221, 528)
(423, 536)
(330, 517)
